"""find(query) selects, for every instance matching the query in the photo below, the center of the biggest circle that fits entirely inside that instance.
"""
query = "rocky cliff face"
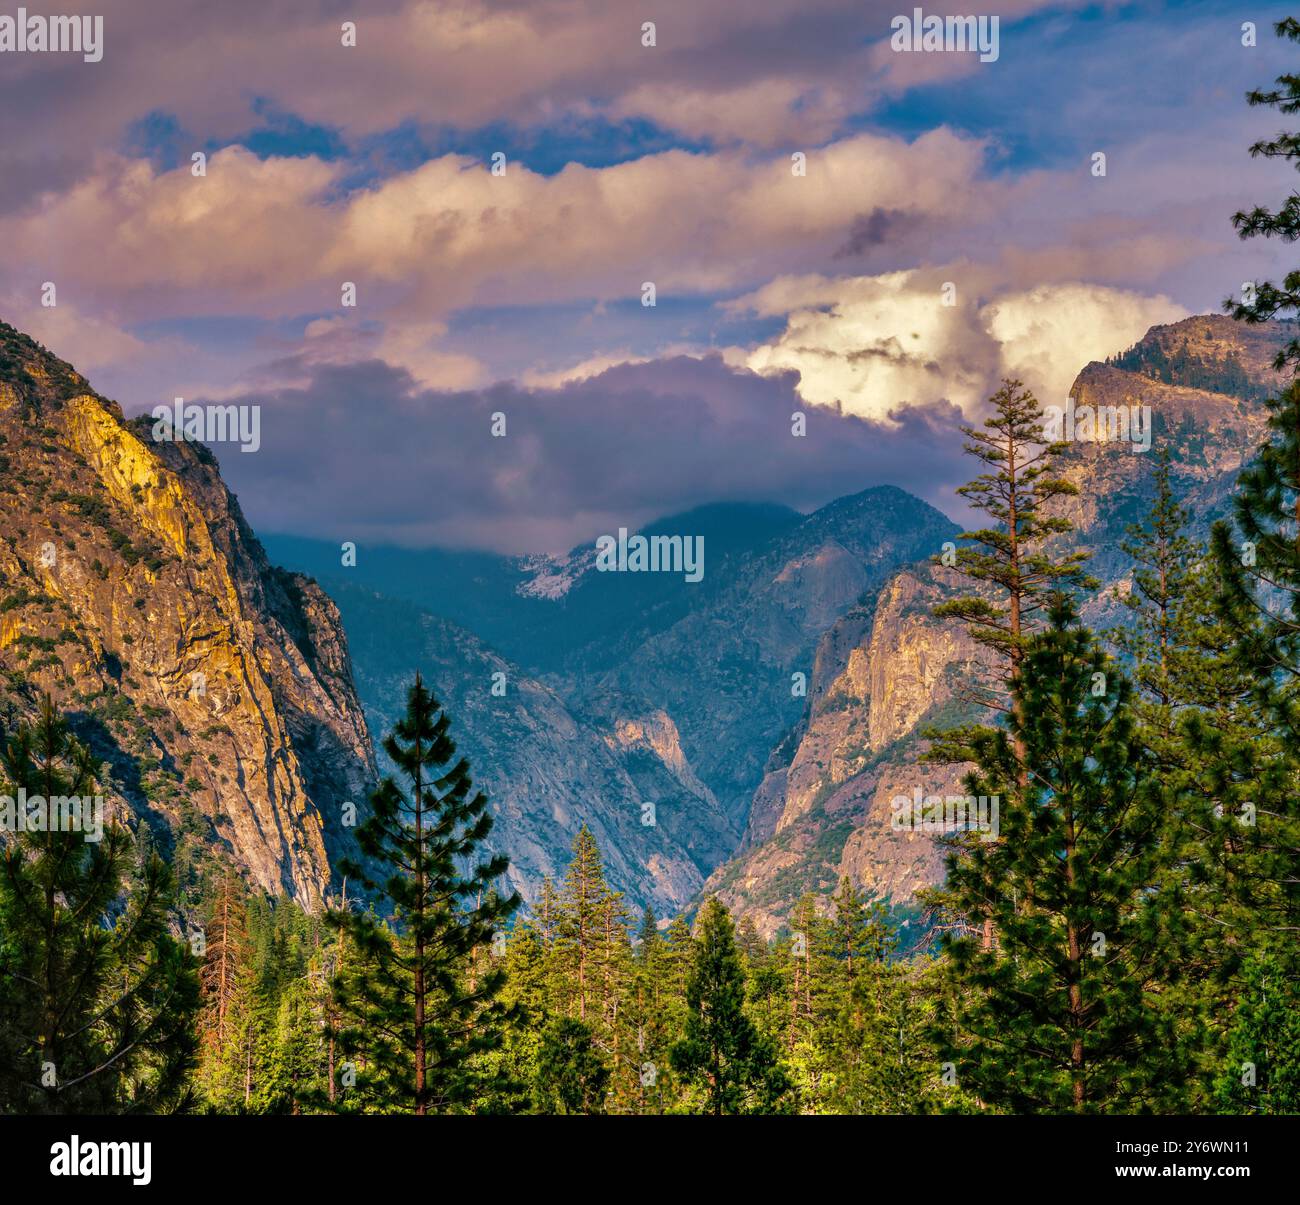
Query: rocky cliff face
(887, 670)
(626, 689)
(217, 688)
(547, 768)
(884, 672)
(724, 670)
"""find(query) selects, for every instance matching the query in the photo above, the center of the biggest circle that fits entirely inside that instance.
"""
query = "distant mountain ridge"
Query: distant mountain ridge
(670, 693)
(739, 736)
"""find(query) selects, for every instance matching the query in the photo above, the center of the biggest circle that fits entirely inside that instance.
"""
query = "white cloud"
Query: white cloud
(873, 344)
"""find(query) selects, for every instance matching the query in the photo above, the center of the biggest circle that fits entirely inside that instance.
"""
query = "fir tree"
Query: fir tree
(723, 1056)
(408, 1003)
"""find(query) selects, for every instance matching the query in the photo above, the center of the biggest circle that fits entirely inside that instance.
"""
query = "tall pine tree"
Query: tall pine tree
(729, 1064)
(408, 1003)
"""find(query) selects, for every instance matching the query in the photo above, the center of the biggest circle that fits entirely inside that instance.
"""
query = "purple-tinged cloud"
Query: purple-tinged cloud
(363, 453)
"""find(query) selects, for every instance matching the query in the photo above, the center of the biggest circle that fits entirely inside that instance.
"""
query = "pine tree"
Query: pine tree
(1197, 717)
(229, 999)
(1259, 599)
(510, 1075)
(1009, 558)
(1261, 1071)
(573, 1075)
(1269, 300)
(408, 1004)
(656, 1015)
(294, 1057)
(226, 952)
(751, 942)
(680, 955)
(100, 1001)
(1163, 559)
(723, 1056)
(581, 922)
(1017, 575)
(1063, 1014)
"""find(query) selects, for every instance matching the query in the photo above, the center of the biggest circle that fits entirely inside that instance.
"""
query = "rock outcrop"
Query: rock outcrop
(888, 670)
(217, 688)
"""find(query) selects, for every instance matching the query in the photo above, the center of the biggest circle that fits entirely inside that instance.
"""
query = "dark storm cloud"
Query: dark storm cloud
(362, 452)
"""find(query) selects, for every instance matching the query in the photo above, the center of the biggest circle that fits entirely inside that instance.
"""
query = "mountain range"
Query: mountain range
(739, 736)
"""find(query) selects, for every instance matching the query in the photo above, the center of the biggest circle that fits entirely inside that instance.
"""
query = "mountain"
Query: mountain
(216, 688)
(624, 688)
(888, 670)
(547, 769)
(740, 735)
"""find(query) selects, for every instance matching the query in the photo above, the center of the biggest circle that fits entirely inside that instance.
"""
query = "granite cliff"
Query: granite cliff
(216, 688)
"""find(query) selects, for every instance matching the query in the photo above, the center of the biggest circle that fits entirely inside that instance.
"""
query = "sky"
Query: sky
(869, 237)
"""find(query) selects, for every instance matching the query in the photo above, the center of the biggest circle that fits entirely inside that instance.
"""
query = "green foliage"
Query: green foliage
(97, 1000)
(1184, 367)
(728, 1064)
(1262, 1065)
(416, 1010)
(572, 1075)
(1017, 493)
(1063, 1011)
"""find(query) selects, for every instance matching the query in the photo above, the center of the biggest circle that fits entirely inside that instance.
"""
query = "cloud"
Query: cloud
(768, 72)
(270, 236)
(874, 344)
(361, 452)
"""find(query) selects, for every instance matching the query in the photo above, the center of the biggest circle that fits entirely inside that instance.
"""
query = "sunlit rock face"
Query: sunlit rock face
(216, 688)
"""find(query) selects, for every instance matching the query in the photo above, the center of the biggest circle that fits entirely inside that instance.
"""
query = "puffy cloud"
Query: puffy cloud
(1047, 334)
(873, 344)
(271, 237)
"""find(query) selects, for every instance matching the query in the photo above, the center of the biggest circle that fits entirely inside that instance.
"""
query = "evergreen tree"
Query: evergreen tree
(1262, 1064)
(225, 955)
(510, 1073)
(99, 1001)
(1163, 559)
(573, 1076)
(1196, 716)
(1016, 575)
(1009, 558)
(1063, 1013)
(581, 922)
(1270, 300)
(408, 1003)
(657, 1015)
(723, 1056)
